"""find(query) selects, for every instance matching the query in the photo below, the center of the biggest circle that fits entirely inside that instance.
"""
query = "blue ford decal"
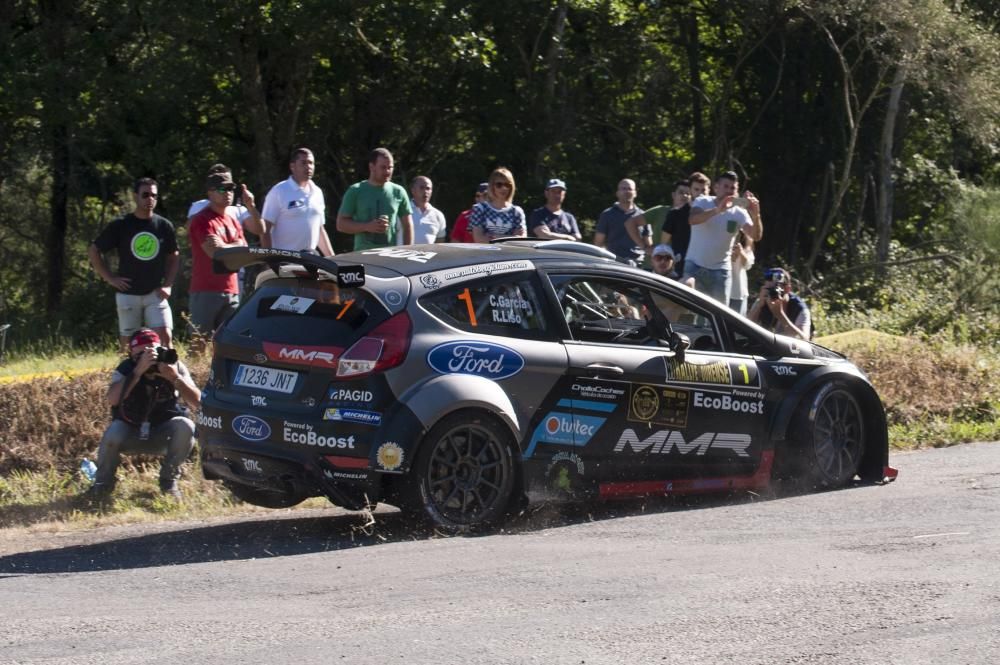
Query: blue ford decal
(478, 358)
(251, 428)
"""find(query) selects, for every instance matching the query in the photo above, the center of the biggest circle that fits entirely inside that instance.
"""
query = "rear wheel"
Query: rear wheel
(264, 498)
(829, 436)
(464, 474)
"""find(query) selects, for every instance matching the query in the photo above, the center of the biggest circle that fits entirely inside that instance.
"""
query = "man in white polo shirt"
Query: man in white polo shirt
(428, 222)
(294, 213)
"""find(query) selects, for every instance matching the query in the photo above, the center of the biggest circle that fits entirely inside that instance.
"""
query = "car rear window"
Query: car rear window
(307, 312)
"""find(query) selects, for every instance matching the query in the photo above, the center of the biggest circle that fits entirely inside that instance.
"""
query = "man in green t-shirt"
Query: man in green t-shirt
(371, 208)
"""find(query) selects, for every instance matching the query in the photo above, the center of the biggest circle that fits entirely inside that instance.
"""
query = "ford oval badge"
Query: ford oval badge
(251, 428)
(491, 361)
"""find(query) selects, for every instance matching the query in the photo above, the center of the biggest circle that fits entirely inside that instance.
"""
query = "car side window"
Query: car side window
(511, 308)
(600, 309)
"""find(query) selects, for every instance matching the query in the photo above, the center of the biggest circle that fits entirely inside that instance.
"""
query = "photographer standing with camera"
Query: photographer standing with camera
(147, 417)
(778, 309)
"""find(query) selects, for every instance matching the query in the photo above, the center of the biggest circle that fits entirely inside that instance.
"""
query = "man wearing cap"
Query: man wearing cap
(147, 264)
(778, 309)
(294, 213)
(146, 415)
(664, 261)
(213, 296)
(428, 222)
(460, 232)
(551, 222)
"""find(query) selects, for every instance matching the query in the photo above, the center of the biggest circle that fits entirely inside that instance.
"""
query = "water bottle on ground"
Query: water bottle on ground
(88, 469)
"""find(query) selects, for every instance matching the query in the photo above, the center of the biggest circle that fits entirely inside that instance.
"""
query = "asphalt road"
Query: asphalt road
(903, 573)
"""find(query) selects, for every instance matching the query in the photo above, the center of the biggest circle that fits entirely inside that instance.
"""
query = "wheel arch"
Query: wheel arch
(441, 396)
(876, 454)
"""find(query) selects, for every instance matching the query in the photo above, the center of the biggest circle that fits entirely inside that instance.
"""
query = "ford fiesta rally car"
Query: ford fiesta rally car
(455, 380)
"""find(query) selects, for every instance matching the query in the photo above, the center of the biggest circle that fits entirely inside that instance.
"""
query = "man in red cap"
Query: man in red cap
(147, 416)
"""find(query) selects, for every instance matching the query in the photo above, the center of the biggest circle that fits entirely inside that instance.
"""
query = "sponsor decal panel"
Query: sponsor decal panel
(665, 442)
(292, 304)
(488, 269)
(598, 390)
(430, 281)
(314, 356)
(564, 471)
(565, 429)
(350, 276)
(731, 403)
(258, 400)
(353, 415)
(251, 465)
(389, 456)
(208, 422)
(663, 405)
(402, 253)
(718, 372)
(349, 396)
(784, 370)
(251, 428)
(491, 361)
(306, 435)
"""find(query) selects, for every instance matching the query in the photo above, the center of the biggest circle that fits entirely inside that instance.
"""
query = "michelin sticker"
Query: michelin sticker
(353, 416)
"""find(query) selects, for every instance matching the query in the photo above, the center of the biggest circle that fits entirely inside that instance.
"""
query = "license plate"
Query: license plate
(265, 378)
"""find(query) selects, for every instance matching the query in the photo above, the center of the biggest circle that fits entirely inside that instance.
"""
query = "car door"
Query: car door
(663, 416)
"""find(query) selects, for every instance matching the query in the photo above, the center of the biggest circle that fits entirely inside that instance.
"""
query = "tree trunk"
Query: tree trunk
(692, 45)
(59, 207)
(883, 221)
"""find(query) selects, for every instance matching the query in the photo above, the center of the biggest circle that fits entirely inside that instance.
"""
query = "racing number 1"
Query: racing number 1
(467, 297)
(743, 368)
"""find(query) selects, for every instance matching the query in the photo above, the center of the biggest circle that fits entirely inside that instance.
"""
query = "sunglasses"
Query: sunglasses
(226, 188)
(505, 185)
(150, 195)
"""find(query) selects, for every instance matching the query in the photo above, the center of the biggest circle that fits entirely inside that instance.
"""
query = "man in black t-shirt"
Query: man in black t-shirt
(146, 414)
(147, 265)
(676, 231)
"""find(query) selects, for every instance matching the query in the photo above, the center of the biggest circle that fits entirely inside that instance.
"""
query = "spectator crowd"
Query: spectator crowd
(704, 238)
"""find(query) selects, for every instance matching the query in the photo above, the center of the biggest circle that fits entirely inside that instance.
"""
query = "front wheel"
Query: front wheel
(463, 476)
(829, 436)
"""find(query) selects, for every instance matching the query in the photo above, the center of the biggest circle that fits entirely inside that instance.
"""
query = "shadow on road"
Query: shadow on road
(263, 537)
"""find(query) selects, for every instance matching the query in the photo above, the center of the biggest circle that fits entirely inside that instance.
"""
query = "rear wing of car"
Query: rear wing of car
(232, 259)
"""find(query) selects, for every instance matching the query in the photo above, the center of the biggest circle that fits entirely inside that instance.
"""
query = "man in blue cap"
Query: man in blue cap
(551, 222)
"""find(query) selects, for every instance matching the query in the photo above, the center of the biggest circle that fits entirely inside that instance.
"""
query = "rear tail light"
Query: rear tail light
(383, 348)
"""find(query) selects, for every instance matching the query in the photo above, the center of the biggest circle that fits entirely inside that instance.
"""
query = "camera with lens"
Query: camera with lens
(773, 292)
(165, 355)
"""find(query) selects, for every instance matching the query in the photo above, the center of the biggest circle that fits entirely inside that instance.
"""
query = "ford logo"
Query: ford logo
(251, 428)
(491, 361)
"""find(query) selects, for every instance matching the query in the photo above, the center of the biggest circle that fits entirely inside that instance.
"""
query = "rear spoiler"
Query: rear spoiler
(231, 259)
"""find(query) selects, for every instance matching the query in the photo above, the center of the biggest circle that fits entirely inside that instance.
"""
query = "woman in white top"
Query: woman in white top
(497, 216)
(742, 259)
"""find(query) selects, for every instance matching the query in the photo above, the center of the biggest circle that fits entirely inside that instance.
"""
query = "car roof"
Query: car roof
(417, 259)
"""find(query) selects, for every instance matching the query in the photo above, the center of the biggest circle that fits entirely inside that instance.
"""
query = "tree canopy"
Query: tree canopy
(850, 119)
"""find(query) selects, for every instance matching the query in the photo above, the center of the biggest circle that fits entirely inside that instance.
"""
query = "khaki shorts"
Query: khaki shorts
(149, 310)
(209, 309)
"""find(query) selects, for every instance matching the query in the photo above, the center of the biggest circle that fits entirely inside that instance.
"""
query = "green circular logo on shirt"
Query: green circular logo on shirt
(145, 246)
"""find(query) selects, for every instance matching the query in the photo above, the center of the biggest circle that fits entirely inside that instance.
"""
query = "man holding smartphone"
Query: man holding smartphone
(778, 309)
(714, 222)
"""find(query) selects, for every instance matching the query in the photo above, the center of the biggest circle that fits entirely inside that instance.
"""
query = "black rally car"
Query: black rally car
(454, 380)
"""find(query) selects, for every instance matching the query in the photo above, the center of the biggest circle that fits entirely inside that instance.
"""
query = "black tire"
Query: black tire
(829, 436)
(464, 475)
(264, 498)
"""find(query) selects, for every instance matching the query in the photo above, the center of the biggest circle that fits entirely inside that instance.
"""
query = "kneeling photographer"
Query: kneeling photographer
(147, 415)
(778, 309)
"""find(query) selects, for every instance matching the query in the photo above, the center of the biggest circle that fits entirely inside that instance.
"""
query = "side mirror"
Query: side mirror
(679, 343)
